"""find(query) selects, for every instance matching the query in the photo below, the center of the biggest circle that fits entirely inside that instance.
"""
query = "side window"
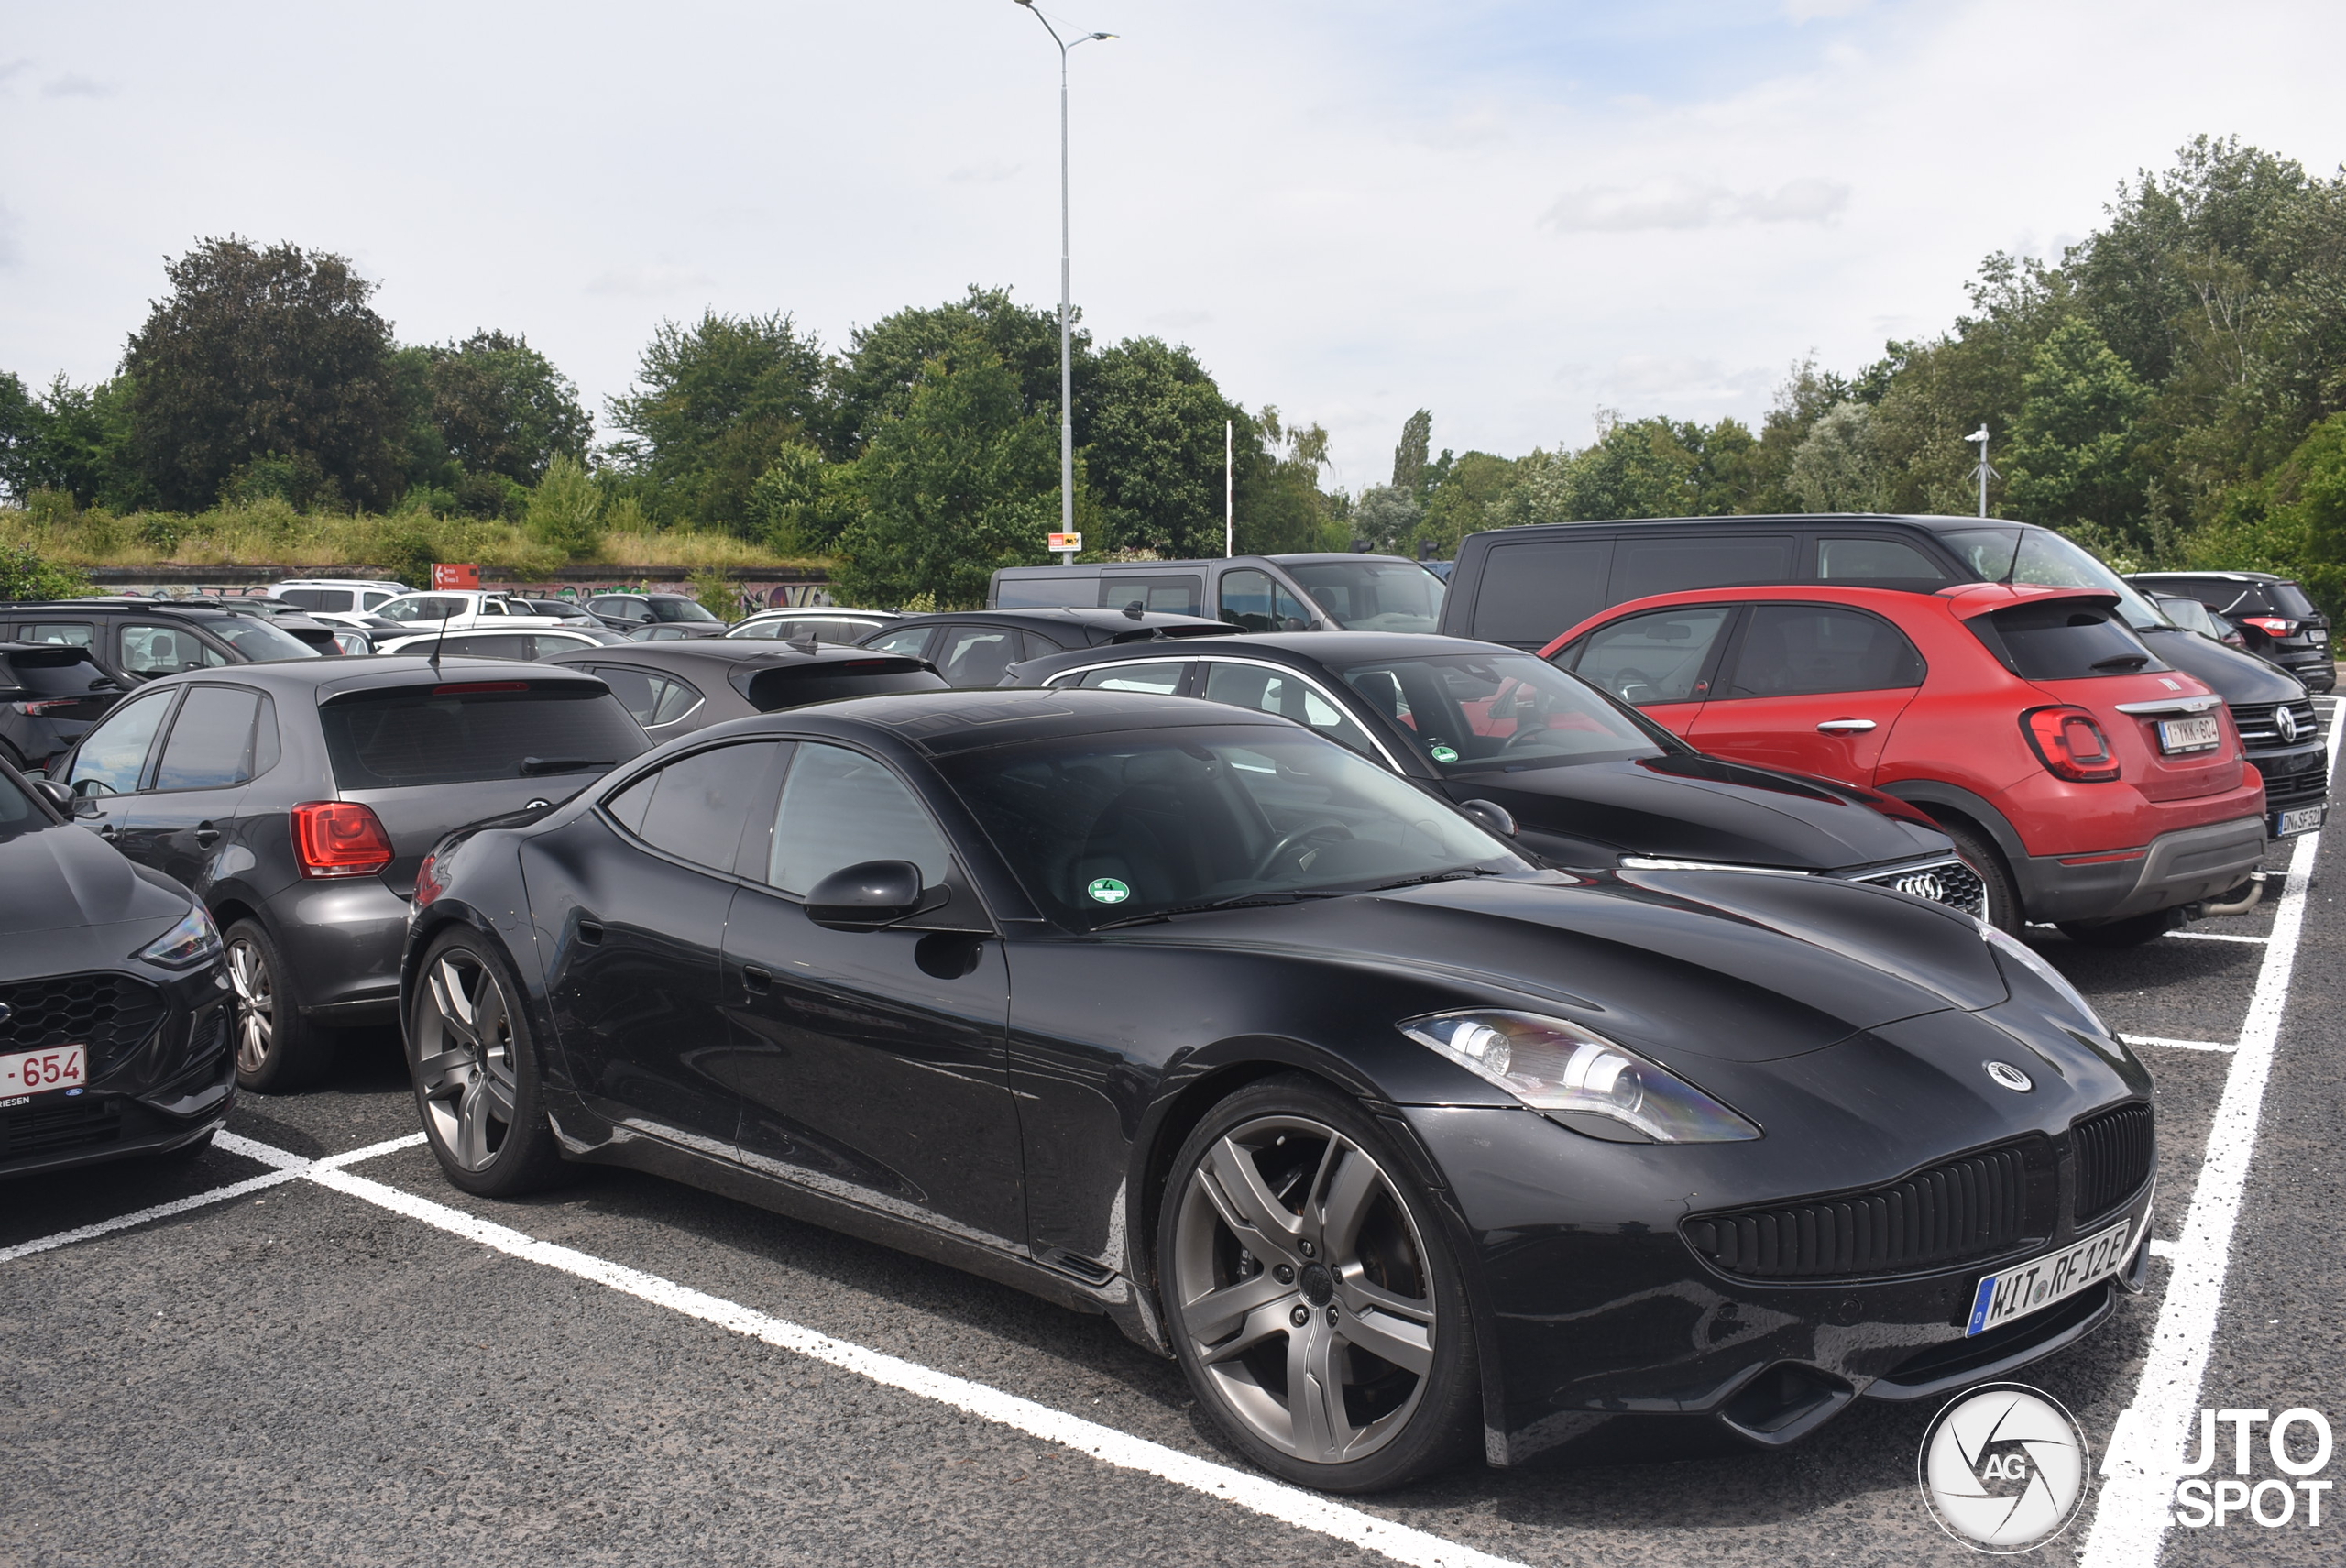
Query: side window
(151, 650)
(911, 644)
(114, 754)
(373, 601)
(1533, 592)
(676, 699)
(211, 742)
(840, 808)
(977, 655)
(1669, 563)
(1798, 650)
(694, 807)
(638, 690)
(1873, 559)
(1289, 697)
(491, 607)
(1251, 601)
(1178, 594)
(73, 633)
(1654, 657)
(1162, 676)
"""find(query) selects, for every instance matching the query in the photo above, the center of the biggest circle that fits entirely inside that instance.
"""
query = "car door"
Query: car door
(1663, 661)
(874, 1064)
(221, 737)
(1254, 600)
(1812, 687)
(629, 902)
(148, 651)
(109, 768)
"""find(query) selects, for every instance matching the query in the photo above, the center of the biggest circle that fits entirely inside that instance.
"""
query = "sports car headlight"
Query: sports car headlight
(194, 941)
(2020, 953)
(1558, 1066)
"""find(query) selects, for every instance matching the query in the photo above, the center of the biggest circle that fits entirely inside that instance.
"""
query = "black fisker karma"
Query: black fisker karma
(1406, 1149)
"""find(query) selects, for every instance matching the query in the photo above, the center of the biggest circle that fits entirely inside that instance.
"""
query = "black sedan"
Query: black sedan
(297, 800)
(1586, 779)
(674, 688)
(113, 1010)
(977, 647)
(1406, 1149)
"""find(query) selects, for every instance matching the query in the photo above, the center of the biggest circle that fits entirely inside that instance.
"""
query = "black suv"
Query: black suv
(298, 799)
(1526, 586)
(2273, 612)
(136, 639)
(49, 695)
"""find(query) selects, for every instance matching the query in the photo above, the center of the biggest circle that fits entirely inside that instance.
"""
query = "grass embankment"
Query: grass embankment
(401, 544)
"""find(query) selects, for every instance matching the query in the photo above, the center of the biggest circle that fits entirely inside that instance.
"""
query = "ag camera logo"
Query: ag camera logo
(2004, 1468)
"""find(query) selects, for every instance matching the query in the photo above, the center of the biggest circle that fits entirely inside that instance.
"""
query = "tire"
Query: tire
(475, 1073)
(2002, 899)
(278, 1050)
(1356, 1263)
(2131, 932)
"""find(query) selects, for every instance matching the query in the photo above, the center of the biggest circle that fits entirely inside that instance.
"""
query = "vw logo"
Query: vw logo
(2285, 721)
(2004, 1468)
(2010, 1077)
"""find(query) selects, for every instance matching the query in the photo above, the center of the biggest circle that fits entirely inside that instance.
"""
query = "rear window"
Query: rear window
(53, 675)
(2290, 599)
(2063, 640)
(427, 735)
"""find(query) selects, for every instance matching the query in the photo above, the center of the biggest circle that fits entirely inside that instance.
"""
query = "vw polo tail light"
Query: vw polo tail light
(339, 839)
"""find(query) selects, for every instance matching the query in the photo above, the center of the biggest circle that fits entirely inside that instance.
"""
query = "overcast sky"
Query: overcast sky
(1512, 213)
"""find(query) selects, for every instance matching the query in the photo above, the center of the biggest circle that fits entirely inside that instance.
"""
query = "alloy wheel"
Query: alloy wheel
(464, 1069)
(256, 993)
(1302, 1285)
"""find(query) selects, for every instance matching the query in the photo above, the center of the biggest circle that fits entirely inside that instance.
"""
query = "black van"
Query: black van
(1329, 592)
(1526, 585)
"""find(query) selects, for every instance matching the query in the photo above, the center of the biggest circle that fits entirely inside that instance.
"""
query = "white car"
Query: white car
(458, 609)
(823, 623)
(519, 639)
(339, 601)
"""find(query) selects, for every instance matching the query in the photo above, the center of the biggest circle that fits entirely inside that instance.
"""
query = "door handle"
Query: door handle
(590, 932)
(755, 979)
(206, 835)
(1845, 726)
(109, 832)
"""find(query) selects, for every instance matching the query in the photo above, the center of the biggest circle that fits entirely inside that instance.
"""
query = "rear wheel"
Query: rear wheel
(277, 1049)
(474, 1069)
(2003, 900)
(1313, 1298)
(2131, 932)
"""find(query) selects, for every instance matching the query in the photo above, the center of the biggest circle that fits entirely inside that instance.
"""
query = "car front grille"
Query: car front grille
(2308, 783)
(2258, 724)
(1974, 1207)
(46, 1129)
(109, 1013)
(1947, 882)
(2114, 1152)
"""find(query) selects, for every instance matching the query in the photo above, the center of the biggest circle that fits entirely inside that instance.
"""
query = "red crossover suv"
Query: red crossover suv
(2089, 785)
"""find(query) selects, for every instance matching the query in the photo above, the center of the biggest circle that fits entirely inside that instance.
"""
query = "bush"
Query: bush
(565, 511)
(25, 575)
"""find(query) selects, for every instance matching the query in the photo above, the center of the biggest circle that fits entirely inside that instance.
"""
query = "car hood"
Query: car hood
(64, 877)
(1703, 808)
(2236, 677)
(1734, 966)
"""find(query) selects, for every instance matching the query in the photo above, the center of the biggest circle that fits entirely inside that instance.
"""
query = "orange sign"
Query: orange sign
(1067, 542)
(446, 574)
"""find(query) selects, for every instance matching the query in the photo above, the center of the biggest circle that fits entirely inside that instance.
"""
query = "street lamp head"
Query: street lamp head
(1103, 38)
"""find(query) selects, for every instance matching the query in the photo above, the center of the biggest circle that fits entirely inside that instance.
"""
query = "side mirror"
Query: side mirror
(56, 794)
(866, 897)
(1491, 815)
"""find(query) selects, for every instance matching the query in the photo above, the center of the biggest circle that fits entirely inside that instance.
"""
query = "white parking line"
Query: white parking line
(2217, 936)
(2177, 1045)
(1256, 1494)
(2132, 1515)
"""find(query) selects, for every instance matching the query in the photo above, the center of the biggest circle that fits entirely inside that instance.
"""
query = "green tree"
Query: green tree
(2072, 458)
(713, 403)
(875, 379)
(1385, 518)
(1149, 421)
(1409, 457)
(565, 511)
(1461, 504)
(804, 504)
(1280, 506)
(1837, 470)
(79, 440)
(490, 404)
(259, 351)
(963, 481)
(22, 420)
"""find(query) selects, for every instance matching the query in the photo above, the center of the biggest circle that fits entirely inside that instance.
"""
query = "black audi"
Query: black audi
(114, 1010)
(1405, 1148)
(1584, 778)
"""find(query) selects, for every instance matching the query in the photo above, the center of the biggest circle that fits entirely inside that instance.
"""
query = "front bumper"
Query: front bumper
(2183, 867)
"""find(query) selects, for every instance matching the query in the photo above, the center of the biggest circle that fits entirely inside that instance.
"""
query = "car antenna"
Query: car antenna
(1133, 609)
(440, 637)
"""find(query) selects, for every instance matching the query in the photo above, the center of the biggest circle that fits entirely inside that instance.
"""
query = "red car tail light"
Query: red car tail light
(339, 839)
(2271, 625)
(2070, 744)
(35, 709)
(428, 885)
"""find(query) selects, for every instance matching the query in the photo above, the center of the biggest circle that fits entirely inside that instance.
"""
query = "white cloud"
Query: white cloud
(9, 70)
(1819, 10)
(1681, 203)
(75, 87)
(657, 280)
(984, 174)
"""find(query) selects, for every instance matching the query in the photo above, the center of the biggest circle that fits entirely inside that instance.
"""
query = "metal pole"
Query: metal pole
(1229, 493)
(1066, 361)
(1986, 473)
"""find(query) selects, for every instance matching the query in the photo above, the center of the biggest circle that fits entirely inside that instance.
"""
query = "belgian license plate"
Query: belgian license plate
(37, 1072)
(2188, 734)
(2304, 820)
(2030, 1286)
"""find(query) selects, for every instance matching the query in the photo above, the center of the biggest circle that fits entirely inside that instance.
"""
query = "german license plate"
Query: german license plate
(37, 1072)
(2188, 734)
(2304, 820)
(2030, 1286)
(2317, 636)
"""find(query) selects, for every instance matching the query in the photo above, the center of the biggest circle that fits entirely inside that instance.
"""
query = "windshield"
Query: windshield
(678, 609)
(260, 641)
(1467, 712)
(1104, 828)
(1373, 595)
(2042, 556)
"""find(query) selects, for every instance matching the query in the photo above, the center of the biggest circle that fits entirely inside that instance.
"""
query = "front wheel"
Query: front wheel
(474, 1069)
(1311, 1295)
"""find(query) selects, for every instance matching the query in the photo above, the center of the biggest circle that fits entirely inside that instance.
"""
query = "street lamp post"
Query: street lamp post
(1066, 358)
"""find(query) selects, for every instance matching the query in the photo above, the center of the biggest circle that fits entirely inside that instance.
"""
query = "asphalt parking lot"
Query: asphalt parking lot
(329, 1359)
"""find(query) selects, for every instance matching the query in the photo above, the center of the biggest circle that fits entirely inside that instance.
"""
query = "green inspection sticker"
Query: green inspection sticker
(1107, 890)
(1442, 754)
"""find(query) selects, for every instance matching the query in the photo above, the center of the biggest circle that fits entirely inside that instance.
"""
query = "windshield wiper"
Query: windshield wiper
(1237, 901)
(533, 766)
(1456, 875)
(2121, 661)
